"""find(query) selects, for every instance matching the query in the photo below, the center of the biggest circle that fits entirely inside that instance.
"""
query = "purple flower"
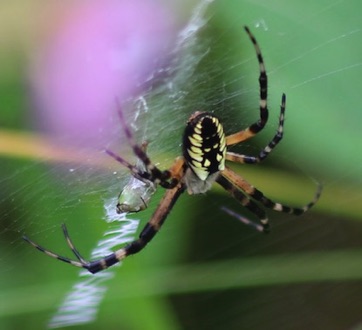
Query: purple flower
(100, 52)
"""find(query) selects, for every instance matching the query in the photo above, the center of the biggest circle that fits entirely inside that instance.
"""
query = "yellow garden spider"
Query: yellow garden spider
(202, 164)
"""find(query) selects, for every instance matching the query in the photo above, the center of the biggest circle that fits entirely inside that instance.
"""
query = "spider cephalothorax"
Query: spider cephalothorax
(204, 151)
(203, 163)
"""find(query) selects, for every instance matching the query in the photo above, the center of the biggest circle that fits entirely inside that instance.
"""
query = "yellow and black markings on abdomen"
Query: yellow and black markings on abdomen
(204, 144)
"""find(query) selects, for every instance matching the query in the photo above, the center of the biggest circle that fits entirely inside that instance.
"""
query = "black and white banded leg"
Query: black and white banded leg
(239, 188)
(263, 106)
(152, 173)
(148, 232)
(246, 159)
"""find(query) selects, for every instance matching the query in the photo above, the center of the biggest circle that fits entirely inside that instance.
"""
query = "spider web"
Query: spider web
(212, 67)
(81, 304)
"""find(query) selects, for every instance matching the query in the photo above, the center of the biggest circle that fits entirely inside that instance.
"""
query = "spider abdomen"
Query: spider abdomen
(204, 145)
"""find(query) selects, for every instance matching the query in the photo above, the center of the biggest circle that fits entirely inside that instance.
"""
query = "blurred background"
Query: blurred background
(62, 68)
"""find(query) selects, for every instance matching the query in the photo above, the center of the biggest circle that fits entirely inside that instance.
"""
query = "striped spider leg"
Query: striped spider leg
(248, 196)
(255, 128)
(238, 187)
(148, 232)
(166, 179)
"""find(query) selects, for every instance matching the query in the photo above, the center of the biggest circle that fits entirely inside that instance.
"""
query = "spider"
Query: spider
(203, 163)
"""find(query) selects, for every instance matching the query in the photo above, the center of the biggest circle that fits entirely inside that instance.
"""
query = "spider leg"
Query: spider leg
(71, 245)
(148, 232)
(80, 263)
(245, 159)
(236, 182)
(152, 172)
(257, 195)
(264, 114)
(140, 175)
(247, 203)
(244, 220)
